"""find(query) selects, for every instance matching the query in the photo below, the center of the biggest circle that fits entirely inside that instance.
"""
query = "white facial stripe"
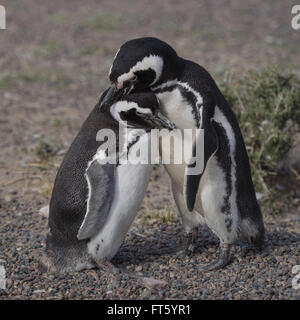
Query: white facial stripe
(151, 62)
(189, 88)
(113, 62)
(124, 106)
(166, 84)
(184, 85)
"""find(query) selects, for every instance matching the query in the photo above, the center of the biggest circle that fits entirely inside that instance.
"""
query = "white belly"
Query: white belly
(130, 187)
(179, 111)
(176, 108)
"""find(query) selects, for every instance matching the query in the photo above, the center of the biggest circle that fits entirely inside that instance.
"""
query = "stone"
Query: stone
(44, 211)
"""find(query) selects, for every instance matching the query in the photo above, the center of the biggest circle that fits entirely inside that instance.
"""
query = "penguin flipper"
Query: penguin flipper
(101, 184)
(211, 145)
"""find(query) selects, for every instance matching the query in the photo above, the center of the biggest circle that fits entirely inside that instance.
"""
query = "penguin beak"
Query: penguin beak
(162, 121)
(109, 97)
(158, 120)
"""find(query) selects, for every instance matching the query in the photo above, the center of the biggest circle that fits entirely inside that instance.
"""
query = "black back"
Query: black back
(69, 195)
(200, 80)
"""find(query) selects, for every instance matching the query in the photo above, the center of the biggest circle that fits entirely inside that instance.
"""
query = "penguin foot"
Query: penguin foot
(107, 266)
(221, 262)
(187, 247)
(46, 264)
(150, 283)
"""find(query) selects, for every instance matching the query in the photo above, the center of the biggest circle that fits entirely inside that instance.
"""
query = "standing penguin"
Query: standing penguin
(222, 196)
(95, 198)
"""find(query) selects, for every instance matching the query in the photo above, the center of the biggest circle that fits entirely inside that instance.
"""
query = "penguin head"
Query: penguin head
(139, 65)
(140, 111)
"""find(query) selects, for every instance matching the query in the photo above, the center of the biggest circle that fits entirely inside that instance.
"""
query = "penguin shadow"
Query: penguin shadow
(283, 239)
(142, 248)
(280, 240)
(163, 243)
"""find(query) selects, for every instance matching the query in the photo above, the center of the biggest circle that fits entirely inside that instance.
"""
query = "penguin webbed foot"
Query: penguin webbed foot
(107, 266)
(110, 268)
(186, 248)
(222, 260)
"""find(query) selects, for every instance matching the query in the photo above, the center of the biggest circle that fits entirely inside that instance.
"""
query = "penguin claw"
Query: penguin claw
(107, 266)
(186, 251)
(188, 247)
(222, 261)
(215, 265)
(182, 251)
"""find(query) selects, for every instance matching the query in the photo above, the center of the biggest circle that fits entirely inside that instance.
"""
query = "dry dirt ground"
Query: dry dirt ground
(54, 59)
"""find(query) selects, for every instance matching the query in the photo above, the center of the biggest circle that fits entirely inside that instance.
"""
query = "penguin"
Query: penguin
(222, 195)
(96, 195)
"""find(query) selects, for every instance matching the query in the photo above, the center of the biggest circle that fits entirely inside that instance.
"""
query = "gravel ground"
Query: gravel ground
(54, 59)
(267, 275)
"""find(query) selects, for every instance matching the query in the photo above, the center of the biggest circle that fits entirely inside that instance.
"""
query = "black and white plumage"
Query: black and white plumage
(93, 203)
(222, 196)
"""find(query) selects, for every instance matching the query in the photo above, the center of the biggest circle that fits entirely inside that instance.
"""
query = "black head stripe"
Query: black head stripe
(143, 100)
(145, 77)
(136, 50)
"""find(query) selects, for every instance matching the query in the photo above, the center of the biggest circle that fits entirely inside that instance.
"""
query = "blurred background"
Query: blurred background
(54, 60)
(55, 57)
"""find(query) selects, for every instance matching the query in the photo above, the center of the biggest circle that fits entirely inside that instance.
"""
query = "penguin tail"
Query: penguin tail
(254, 233)
(258, 241)
(46, 264)
(64, 255)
